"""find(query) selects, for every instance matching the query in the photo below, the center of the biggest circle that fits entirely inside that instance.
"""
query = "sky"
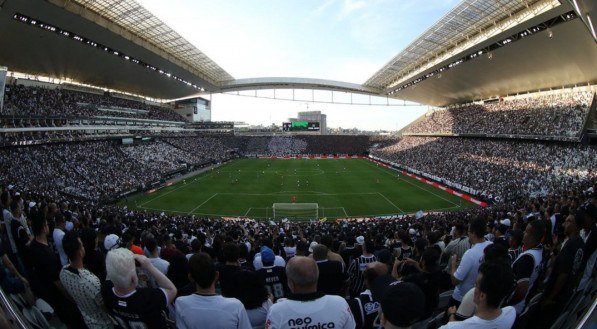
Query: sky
(344, 40)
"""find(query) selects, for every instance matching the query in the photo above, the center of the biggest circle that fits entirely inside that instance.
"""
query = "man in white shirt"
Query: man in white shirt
(464, 276)
(307, 307)
(494, 282)
(83, 286)
(152, 247)
(204, 309)
(57, 235)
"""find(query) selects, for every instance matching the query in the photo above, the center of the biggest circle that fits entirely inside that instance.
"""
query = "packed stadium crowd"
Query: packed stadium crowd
(499, 169)
(99, 170)
(111, 267)
(36, 101)
(550, 115)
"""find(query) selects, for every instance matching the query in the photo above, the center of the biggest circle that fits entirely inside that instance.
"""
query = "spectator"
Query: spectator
(178, 263)
(492, 286)
(248, 287)
(93, 260)
(128, 304)
(565, 270)
(152, 246)
(364, 307)
(331, 278)
(45, 274)
(459, 244)
(306, 306)
(529, 264)
(274, 277)
(227, 271)
(83, 286)
(258, 264)
(464, 275)
(205, 309)
(358, 265)
(402, 305)
(515, 244)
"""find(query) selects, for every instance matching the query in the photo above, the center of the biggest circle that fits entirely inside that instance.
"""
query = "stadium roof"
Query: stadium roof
(468, 22)
(134, 19)
(118, 44)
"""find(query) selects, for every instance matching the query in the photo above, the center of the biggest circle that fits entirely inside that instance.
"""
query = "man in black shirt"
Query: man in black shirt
(565, 269)
(132, 307)
(331, 278)
(45, 278)
(231, 252)
(273, 276)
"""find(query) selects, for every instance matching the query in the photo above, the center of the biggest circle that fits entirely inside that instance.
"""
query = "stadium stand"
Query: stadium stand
(36, 101)
(560, 114)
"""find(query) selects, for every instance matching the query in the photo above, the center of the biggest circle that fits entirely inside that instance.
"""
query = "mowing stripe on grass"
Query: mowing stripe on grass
(415, 185)
(392, 203)
(204, 202)
(178, 188)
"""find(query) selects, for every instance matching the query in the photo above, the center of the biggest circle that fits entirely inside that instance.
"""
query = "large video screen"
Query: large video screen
(300, 126)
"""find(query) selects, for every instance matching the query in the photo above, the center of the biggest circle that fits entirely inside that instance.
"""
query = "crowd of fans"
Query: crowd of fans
(560, 114)
(101, 170)
(500, 169)
(36, 101)
(110, 267)
(306, 144)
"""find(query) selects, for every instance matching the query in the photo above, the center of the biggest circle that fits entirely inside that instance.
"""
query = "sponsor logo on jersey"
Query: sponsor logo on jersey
(307, 323)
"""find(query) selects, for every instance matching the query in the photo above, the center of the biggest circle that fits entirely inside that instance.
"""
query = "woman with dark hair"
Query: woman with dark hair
(250, 290)
(94, 259)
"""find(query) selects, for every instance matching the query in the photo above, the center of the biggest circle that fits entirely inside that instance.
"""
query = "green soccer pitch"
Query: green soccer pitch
(340, 187)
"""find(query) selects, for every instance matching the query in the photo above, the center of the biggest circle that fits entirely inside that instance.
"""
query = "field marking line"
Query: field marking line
(178, 188)
(345, 213)
(248, 210)
(290, 192)
(406, 181)
(437, 195)
(392, 203)
(204, 202)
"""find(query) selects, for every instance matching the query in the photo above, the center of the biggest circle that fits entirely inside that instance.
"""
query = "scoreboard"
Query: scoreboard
(300, 126)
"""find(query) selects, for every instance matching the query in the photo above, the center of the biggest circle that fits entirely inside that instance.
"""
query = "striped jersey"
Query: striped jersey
(356, 269)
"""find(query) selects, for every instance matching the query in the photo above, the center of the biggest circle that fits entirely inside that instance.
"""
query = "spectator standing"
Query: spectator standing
(205, 309)
(306, 306)
(132, 306)
(358, 265)
(82, 285)
(464, 276)
(331, 278)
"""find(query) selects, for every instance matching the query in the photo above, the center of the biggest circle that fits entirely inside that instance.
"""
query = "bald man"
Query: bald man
(307, 307)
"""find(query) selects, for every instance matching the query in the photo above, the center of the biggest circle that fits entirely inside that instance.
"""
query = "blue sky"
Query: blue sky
(346, 40)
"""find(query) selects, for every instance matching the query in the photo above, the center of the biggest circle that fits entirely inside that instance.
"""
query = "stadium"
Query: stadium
(128, 203)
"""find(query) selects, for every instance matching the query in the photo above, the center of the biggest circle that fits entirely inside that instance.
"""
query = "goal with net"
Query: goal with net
(296, 210)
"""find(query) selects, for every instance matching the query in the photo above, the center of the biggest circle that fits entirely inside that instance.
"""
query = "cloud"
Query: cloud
(322, 8)
(349, 6)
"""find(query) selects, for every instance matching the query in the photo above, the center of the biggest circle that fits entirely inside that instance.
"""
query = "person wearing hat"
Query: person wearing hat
(306, 307)
(258, 264)
(492, 286)
(499, 232)
(402, 305)
(274, 277)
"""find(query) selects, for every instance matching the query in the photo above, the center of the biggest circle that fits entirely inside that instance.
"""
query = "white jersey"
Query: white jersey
(468, 269)
(537, 254)
(505, 320)
(324, 311)
(257, 264)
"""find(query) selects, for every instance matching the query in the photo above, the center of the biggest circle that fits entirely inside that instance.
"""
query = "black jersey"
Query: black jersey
(144, 308)
(274, 278)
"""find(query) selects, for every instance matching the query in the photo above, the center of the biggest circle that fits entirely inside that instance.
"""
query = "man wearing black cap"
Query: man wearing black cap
(402, 305)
